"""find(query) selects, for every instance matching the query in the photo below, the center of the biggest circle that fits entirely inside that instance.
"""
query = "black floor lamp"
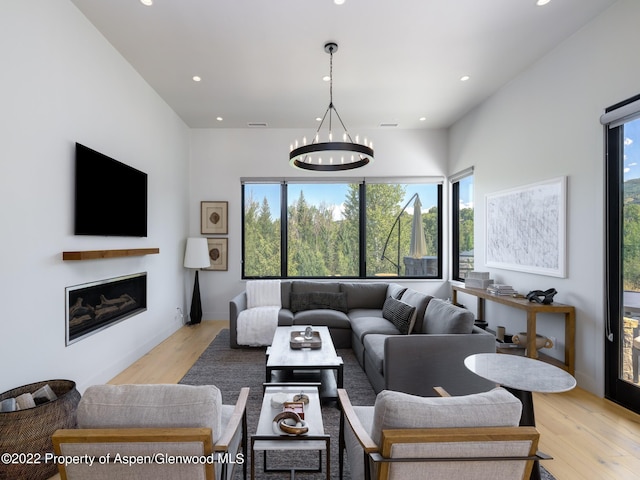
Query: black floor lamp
(196, 256)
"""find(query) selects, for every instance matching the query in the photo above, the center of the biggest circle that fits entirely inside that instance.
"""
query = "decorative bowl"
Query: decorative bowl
(541, 341)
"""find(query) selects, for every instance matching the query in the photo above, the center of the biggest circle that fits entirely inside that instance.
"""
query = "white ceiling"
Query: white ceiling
(262, 61)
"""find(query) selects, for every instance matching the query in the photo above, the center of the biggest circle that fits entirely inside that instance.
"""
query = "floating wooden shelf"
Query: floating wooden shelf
(95, 254)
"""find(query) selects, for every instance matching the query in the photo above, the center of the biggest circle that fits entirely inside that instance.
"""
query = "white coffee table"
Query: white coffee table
(285, 364)
(267, 439)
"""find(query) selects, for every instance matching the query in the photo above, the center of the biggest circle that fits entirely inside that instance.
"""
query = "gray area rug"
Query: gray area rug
(231, 369)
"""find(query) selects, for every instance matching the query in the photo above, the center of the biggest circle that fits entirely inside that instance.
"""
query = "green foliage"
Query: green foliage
(631, 235)
(320, 246)
(262, 241)
(631, 246)
(466, 229)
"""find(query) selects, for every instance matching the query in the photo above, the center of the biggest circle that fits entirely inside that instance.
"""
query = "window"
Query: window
(622, 244)
(352, 229)
(262, 233)
(462, 223)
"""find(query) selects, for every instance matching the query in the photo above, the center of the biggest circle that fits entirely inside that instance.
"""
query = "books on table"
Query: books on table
(501, 289)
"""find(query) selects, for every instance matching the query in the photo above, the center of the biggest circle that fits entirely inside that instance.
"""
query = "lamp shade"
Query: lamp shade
(196, 254)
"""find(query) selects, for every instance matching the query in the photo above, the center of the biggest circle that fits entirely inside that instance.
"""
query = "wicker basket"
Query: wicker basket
(29, 431)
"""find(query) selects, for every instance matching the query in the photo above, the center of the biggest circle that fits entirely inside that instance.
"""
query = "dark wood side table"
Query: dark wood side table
(532, 309)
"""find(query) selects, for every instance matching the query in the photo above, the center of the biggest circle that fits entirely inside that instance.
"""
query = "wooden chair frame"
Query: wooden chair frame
(202, 436)
(380, 454)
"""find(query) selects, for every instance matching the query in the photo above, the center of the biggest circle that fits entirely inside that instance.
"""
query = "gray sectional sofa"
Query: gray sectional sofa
(403, 339)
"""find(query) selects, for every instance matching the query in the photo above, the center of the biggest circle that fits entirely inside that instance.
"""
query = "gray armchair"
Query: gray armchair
(154, 432)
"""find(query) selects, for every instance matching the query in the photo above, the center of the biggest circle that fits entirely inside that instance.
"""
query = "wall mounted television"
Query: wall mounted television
(110, 197)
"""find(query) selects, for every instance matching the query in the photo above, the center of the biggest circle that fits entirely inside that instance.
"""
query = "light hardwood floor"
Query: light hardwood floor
(588, 437)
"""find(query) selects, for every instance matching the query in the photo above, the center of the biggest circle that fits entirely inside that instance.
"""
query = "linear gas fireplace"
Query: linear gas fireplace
(92, 307)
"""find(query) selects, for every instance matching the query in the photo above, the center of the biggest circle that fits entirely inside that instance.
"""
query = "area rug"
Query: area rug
(231, 369)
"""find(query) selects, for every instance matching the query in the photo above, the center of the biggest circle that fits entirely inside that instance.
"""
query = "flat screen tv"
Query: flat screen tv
(111, 197)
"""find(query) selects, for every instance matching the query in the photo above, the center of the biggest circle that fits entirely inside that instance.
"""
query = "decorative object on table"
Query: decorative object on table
(302, 398)
(308, 333)
(301, 340)
(214, 218)
(345, 154)
(476, 279)
(526, 228)
(278, 400)
(500, 331)
(541, 341)
(545, 297)
(500, 289)
(295, 407)
(196, 256)
(30, 430)
(218, 254)
(289, 423)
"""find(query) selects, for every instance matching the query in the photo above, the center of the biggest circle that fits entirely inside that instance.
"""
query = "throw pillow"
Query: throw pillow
(318, 300)
(418, 300)
(402, 315)
(444, 317)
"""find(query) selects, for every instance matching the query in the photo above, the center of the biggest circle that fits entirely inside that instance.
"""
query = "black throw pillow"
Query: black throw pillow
(401, 314)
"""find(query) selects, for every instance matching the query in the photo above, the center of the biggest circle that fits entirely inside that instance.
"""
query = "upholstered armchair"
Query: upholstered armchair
(154, 432)
(405, 436)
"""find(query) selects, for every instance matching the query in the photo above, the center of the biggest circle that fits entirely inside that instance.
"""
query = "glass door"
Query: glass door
(623, 263)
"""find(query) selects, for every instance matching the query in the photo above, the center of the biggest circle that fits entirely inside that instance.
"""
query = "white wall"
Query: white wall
(220, 157)
(62, 83)
(542, 125)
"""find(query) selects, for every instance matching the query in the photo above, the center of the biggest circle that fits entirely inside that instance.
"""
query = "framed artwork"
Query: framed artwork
(214, 218)
(218, 253)
(526, 228)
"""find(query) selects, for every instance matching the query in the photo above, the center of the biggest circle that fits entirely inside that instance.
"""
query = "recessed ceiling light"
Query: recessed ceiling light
(422, 119)
(338, 2)
(146, 3)
(464, 78)
(196, 78)
(318, 119)
(326, 78)
(219, 119)
(540, 3)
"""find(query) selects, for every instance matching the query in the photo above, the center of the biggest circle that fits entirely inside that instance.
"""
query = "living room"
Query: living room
(64, 83)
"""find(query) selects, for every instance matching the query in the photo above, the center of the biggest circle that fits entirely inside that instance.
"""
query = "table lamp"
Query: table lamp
(196, 256)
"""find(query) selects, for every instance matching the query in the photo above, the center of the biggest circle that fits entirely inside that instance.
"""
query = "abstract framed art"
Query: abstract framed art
(218, 254)
(214, 218)
(526, 228)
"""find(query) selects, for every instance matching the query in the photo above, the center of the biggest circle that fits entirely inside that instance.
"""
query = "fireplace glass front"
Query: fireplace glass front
(92, 307)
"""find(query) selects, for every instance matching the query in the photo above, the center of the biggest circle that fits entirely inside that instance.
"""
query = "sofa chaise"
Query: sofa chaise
(403, 339)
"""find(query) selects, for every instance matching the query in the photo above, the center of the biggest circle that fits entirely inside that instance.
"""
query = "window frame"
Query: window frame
(455, 221)
(437, 181)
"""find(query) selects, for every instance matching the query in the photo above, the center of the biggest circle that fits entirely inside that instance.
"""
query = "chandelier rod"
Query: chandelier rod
(331, 108)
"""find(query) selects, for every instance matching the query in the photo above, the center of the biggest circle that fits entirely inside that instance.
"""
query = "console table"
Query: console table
(532, 309)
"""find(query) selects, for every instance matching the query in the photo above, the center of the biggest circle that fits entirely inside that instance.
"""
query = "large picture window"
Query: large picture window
(350, 229)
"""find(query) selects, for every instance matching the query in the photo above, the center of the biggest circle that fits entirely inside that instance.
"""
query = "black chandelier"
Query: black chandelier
(331, 156)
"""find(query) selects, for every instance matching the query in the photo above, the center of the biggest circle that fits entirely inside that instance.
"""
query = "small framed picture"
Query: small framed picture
(214, 218)
(218, 253)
